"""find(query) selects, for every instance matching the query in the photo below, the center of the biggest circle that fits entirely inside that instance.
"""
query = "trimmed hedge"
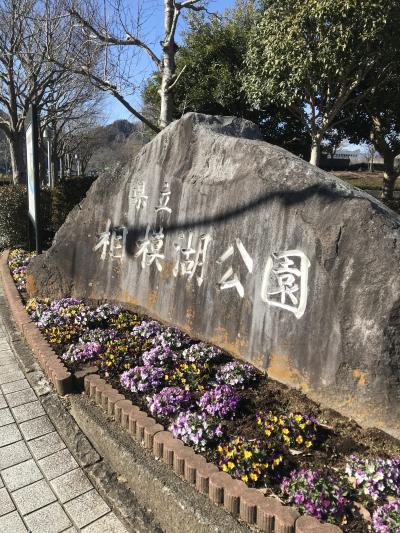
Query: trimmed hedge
(54, 208)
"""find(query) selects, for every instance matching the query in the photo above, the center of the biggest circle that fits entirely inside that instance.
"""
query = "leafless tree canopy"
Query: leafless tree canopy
(32, 34)
(119, 32)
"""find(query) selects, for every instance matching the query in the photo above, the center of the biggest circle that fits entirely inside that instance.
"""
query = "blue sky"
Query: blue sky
(113, 110)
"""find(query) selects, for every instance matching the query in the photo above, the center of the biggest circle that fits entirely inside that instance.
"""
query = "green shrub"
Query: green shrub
(5, 179)
(65, 196)
(13, 216)
(54, 208)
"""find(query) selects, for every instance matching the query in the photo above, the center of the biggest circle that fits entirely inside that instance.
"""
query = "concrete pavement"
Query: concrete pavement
(42, 487)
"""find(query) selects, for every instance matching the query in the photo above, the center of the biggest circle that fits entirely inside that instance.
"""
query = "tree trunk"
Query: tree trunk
(168, 66)
(84, 164)
(54, 165)
(17, 153)
(167, 104)
(389, 178)
(315, 150)
(371, 165)
(68, 164)
(42, 163)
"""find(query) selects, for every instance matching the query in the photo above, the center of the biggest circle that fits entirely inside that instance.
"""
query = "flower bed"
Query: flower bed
(258, 431)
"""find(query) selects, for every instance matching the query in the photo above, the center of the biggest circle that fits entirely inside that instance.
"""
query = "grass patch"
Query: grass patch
(371, 181)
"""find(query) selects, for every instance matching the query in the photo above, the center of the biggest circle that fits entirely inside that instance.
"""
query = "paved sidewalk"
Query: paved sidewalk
(42, 488)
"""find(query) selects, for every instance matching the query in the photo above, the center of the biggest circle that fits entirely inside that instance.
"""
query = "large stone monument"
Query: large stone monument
(242, 244)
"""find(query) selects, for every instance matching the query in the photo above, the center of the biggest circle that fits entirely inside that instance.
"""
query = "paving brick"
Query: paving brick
(11, 376)
(46, 445)
(6, 359)
(4, 343)
(71, 485)
(9, 434)
(9, 368)
(70, 530)
(15, 386)
(57, 464)
(12, 523)
(6, 504)
(36, 427)
(21, 475)
(28, 411)
(7, 363)
(3, 402)
(4, 346)
(86, 508)
(50, 519)
(20, 397)
(33, 497)
(5, 349)
(108, 523)
(13, 454)
(5, 417)
(1, 483)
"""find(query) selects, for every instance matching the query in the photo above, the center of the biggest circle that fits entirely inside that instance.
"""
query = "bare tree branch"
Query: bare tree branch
(105, 37)
(177, 78)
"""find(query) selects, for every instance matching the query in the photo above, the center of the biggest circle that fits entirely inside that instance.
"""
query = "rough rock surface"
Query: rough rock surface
(221, 209)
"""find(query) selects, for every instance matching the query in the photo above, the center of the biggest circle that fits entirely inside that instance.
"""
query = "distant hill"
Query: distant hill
(115, 143)
(117, 131)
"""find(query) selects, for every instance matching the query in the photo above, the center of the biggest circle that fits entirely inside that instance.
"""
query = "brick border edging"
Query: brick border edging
(250, 505)
(54, 369)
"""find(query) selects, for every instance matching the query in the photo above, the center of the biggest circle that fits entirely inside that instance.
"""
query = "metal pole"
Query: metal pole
(49, 165)
(32, 145)
(61, 168)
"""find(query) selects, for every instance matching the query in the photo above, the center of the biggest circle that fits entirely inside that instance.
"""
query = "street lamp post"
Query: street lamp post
(78, 165)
